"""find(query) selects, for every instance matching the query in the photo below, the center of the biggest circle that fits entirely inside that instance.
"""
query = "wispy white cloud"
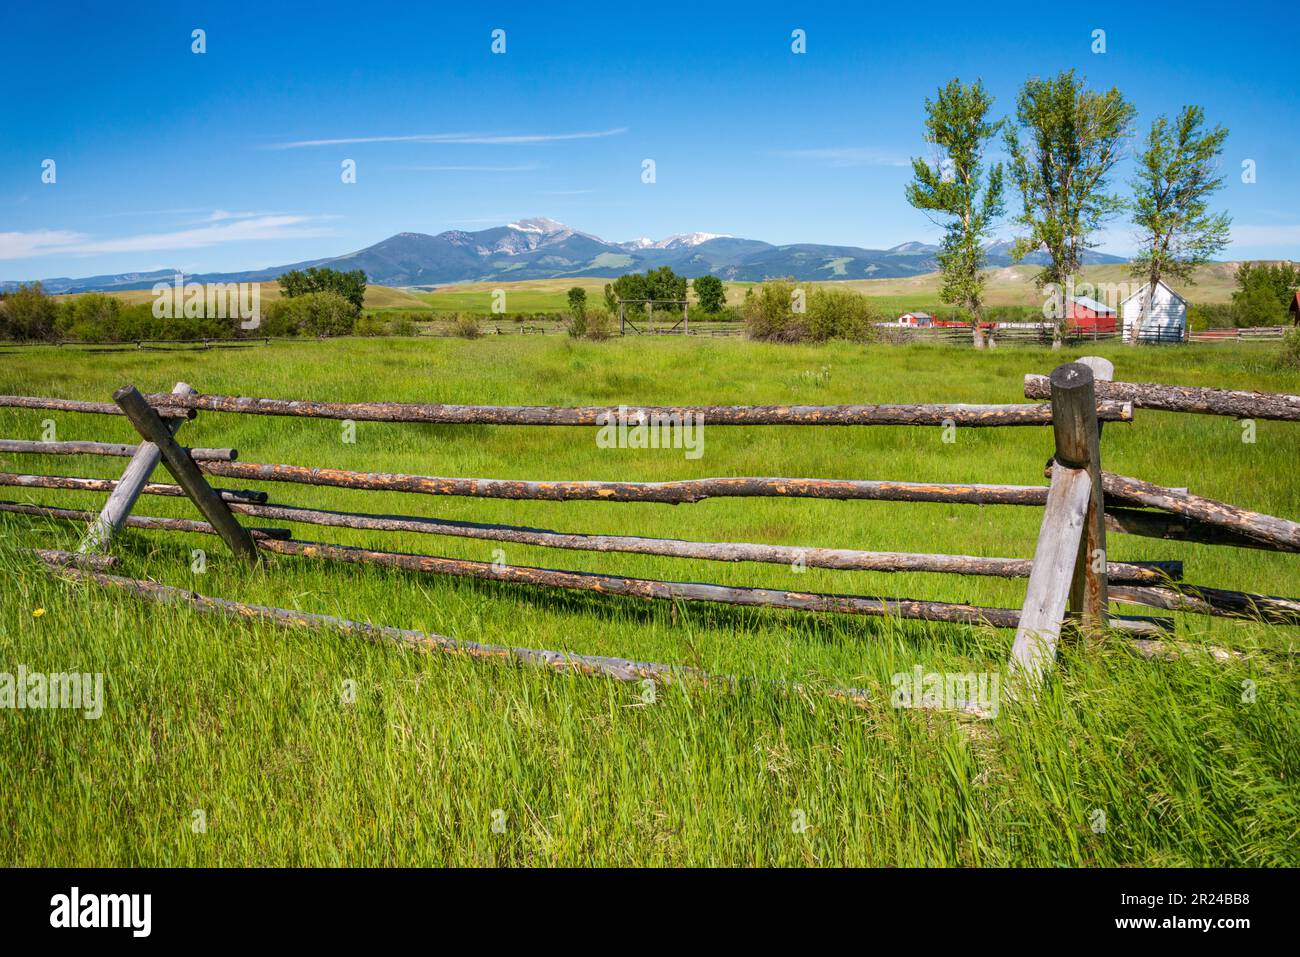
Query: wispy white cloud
(221, 215)
(254, 229)
(488, 139)
(37, 243)
(847, 156)
(521, 168)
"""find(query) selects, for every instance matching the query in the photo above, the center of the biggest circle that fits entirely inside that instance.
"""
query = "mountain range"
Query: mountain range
(542, 248)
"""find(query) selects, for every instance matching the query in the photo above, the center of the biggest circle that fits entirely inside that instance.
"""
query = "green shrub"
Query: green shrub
(1209, 315)
(465, 325)
(600, 324)
(28, 313)
(840, 314)
(1291, 348)
(372, 326)
(403, 325)
(770, 316)
(311, 314)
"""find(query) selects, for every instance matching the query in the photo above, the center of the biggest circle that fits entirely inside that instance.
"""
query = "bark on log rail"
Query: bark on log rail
(673, 493)
(922, 414)
(77, 484)
(1267, 529)
(1180, 398)
(148, 522)
(1220, 602)
(77, 405)
(950, 612)
(836, 558)
(1133, 521)
(55, 556)
(117, 449)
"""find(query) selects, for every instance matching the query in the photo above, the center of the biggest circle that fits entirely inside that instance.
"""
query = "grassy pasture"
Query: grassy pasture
(1007, 286)
(1010, 286)
(247, 723)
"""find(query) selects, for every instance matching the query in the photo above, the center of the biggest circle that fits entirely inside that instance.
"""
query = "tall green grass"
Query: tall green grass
(1190, 762)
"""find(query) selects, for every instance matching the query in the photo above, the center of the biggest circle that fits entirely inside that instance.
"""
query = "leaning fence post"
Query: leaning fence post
(123, 497)
(152, 429)
(1078, 445)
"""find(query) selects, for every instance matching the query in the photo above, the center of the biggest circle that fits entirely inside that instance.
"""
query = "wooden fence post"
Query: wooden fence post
(1055, 558)
(123, 498)
(187, 474)
(1078, 445)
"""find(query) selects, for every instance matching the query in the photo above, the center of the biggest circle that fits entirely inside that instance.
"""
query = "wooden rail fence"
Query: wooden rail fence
(1071, 582)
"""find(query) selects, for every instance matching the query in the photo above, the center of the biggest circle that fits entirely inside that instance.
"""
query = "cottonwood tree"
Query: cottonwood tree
(710, 292)
(1177, 173)
(966, 201)
(350, 285)
(1064, 145)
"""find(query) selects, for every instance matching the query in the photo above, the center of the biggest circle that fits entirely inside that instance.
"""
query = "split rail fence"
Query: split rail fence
(1071, 583)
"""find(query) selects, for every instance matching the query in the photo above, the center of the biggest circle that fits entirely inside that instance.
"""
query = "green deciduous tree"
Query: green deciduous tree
(711, 293)
(1177, 173)
(577, 302)
(631, 285)
(1264, 292)
(1064, 145)
(663, 283)
(350, 285)
(957, 190)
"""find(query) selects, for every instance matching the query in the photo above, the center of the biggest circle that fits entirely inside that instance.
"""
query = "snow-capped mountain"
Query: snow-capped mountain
(541, 248)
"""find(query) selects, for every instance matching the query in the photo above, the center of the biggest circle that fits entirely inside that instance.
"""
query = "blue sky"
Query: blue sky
(166, 158)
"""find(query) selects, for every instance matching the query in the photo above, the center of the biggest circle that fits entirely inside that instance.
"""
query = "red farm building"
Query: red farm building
(1089, 315)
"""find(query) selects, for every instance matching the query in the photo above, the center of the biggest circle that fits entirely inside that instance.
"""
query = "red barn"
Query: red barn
(1294, 309)
(1090, 316)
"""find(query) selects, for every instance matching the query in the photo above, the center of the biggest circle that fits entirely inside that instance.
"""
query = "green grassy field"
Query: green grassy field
(249, 725)
(1011, 286)
(1008, 286)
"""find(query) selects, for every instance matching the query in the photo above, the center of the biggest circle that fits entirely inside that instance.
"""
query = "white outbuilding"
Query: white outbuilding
(1165, 318)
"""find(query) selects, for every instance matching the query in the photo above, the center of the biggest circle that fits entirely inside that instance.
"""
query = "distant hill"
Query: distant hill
(545, 249)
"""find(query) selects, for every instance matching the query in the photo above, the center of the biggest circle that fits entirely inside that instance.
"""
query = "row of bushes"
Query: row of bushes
(29, 315)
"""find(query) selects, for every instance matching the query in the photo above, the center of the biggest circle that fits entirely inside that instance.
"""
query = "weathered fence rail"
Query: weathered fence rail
(442, 414)
(1181, 398)
(117, 449)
